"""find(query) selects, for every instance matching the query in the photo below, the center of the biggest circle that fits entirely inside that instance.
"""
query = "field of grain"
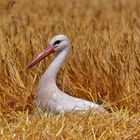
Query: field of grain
(103, 66)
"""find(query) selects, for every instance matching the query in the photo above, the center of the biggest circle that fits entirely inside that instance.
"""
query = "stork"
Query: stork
(49, 98)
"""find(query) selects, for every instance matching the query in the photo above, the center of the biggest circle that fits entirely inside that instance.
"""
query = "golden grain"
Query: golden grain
(103, 66)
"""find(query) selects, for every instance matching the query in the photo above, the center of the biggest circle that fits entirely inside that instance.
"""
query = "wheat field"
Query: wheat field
(103, 66)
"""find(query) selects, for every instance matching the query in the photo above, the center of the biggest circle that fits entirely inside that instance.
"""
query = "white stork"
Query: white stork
(49, 98)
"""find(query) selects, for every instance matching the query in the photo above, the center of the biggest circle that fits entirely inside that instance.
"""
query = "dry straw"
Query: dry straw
(103, 66)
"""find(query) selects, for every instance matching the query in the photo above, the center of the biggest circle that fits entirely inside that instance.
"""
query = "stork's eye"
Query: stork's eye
(57, 42)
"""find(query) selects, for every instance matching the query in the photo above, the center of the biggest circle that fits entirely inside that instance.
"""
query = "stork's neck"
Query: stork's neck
(49, 77)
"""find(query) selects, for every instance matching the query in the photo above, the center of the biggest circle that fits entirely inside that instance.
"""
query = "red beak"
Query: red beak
(49, 50)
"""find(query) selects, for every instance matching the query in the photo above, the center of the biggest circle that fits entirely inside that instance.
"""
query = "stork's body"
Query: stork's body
(49, 98)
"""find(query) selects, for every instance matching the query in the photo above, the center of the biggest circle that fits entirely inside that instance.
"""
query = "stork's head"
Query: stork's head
(57, 44)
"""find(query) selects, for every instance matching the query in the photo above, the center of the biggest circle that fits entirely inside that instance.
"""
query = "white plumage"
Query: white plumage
(49, 98)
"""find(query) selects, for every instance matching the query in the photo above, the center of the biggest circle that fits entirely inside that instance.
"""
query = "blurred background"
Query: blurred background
(103, 65)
